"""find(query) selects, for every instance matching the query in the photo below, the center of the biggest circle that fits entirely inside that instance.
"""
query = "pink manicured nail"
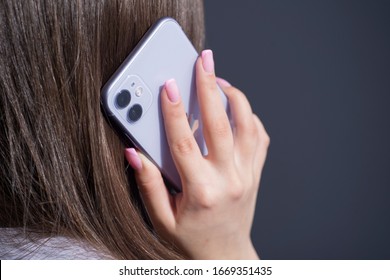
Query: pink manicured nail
(208, 61)
(172, 90)
(223, 82)
(133, 159)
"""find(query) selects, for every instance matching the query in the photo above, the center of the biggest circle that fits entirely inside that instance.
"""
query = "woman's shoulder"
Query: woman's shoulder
(15, 244)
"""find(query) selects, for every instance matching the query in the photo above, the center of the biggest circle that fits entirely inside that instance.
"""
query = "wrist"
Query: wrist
(228, 251)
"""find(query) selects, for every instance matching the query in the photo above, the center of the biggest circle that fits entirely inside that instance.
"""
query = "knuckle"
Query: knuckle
(183, 146)
(221, 127)
(250, 129)
(174, 112)
(265, 140)
(209, 84)
(205, 199)
(204, 194)
(236, 192)
(147, 185)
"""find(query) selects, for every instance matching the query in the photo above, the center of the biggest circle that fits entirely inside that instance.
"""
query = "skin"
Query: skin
(213, 216)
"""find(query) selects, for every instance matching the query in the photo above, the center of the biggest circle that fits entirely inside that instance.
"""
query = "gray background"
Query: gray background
(318, 75)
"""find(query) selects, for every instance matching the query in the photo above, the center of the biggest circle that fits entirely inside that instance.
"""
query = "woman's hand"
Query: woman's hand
(212, 217)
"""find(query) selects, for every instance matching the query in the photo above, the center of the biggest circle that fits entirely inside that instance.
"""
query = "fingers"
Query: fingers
(242, 115)
(245, 129)
(158, 202)
(184, 149)
(216, 125)
(250, 138)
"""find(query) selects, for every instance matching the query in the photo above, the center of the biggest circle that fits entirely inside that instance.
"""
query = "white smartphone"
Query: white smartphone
(131, 97)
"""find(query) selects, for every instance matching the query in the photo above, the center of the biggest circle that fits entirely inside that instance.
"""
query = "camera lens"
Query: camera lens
(135, 113)
(123, 99)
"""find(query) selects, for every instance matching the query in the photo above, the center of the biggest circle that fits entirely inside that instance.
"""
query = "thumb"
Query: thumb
(158, 202)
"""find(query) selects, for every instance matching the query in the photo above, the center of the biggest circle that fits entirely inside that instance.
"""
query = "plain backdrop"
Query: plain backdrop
(318, 75)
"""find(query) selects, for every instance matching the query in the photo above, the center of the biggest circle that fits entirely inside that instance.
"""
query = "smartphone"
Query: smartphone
(131, 97)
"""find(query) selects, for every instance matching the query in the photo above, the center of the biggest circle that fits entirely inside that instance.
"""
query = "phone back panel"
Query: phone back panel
(164, 53)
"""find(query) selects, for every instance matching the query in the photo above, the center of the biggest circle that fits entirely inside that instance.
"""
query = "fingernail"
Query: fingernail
(172, 90)
(223, 82)
(208, 61)
(133, 159)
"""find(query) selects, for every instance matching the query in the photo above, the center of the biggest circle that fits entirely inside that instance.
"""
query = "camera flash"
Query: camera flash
(138, 91)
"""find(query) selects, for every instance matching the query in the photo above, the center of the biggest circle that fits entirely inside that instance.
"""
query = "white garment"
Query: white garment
(14, 246)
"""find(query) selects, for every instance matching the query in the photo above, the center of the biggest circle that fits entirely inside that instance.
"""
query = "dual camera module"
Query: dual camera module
(123, 99)
(132, 99)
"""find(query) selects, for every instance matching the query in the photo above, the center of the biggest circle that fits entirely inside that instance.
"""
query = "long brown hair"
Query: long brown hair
(62, 169)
